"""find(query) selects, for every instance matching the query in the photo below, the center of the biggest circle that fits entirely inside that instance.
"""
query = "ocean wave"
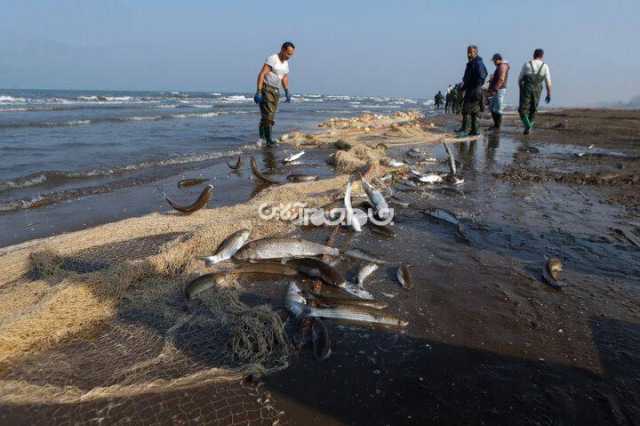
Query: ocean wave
(58, 177)
(5, 99)
(235, 99)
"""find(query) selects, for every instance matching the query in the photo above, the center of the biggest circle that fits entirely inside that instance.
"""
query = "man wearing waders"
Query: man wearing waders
(438, 100)
(273, 75)
(531, 77)
(474, 76)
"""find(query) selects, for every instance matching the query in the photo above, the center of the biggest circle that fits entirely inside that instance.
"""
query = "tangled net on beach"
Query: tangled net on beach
(160, 352)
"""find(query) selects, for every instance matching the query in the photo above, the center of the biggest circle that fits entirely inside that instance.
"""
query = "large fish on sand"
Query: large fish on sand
(351, 218)
(258, 174)
(316, 268)
(202, 201)
(365, 272)
(228, 247)
(297, 305)
(283, 248)
(377, 199)
(203, 283)
(293, 157)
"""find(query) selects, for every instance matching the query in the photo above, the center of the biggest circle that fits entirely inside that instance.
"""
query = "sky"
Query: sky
(402, 48)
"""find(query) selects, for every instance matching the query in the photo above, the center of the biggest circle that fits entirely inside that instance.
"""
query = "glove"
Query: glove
(257, 98)
(547, 99)
(287, 95)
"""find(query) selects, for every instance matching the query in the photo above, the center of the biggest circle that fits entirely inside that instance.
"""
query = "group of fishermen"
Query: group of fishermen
(469, 97)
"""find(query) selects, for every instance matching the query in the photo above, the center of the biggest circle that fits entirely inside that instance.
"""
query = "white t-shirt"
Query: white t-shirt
(278, 70)
(532, 68)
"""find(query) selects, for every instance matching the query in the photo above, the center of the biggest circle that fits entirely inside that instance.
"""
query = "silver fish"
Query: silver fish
(443, 215)
(430, 178)
(366, 270)
(297, 305)
(293, 157)
(357, 291)
(203, 283)
(228, 247)
(452, 160)
(378, 201)
(351, 219)
(359, 254)
(282, 248)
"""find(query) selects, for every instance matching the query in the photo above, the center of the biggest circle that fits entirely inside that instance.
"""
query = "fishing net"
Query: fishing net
(176, 359)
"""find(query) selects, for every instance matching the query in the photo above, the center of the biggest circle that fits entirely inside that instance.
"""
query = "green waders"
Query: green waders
(471, 108)
(268, 108)
(530, 92)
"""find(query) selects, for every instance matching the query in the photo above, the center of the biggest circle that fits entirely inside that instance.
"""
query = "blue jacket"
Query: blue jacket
(474, 75)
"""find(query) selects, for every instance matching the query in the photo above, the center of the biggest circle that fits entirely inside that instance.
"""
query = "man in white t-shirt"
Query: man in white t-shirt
(273, 75)
(532, 75)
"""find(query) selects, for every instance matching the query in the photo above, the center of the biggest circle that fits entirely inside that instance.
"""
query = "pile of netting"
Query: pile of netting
(155, 343)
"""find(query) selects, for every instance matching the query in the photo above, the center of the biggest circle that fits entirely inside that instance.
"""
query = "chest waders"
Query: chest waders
(268, 108)
(530, 91)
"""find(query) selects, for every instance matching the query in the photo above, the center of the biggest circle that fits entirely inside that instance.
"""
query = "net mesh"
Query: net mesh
(156, 344)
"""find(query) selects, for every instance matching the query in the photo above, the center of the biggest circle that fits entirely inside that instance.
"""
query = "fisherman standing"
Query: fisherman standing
(474, 76)
(438, 99)
(531, 77)
(273, 75)
(498, 90)
(447, 99)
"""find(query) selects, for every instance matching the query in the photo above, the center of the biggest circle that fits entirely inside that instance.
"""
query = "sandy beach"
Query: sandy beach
(95, 326)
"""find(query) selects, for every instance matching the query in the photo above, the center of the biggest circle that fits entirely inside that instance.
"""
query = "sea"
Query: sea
(62, 146)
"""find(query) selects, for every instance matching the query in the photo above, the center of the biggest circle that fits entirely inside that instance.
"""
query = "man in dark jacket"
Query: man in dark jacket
(474, 77)
(497, 90)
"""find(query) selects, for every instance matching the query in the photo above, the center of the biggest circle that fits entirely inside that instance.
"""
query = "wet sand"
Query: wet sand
(488, 341)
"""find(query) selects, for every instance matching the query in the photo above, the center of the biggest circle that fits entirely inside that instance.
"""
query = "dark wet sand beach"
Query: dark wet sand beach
(488, 342)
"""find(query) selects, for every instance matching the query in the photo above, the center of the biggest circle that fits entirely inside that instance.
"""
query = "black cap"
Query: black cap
(497, 57)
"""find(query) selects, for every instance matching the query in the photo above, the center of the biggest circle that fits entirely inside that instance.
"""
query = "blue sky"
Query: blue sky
(403, 48)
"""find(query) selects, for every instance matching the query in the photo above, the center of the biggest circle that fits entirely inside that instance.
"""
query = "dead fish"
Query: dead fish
(361, 255)
(342, 145)
(283, 248)
(351, 219)
(203, 283)
(228, 247)
(202, 201)
(430, 178)
(395, 163)
(269, 268)
(364, 273)
(320, 340)
(297, 305)
(442, 215)
(554, 266)
(378, 201)
(258, 174)
(237, 165)
(293, 157)
(337, 301)
(404, 277)
(357, 291)
(301, 178)
(184, 183)
(452, 160)
(316, 268)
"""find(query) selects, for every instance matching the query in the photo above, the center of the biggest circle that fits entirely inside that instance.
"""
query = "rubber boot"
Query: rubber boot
(527, 124)
(495, 118)
(474, 125)
(465, 124)
(267, 135)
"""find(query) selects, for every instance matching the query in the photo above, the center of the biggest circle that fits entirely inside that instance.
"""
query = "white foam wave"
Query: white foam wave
(236, 98)
(5, 99)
